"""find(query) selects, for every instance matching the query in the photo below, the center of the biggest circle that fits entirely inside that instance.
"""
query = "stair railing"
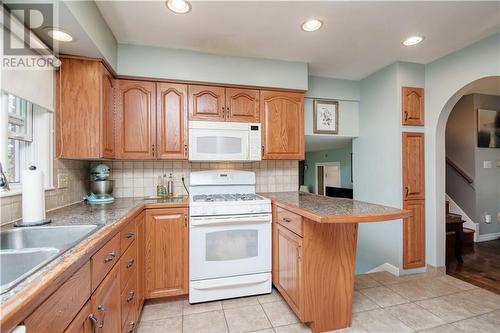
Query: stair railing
(460, 171)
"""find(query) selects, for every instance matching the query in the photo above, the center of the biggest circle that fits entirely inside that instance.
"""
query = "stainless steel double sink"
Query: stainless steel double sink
(23, 251)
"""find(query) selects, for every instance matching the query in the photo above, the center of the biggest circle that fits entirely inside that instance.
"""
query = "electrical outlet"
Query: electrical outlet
(487, 164)
(62, 180)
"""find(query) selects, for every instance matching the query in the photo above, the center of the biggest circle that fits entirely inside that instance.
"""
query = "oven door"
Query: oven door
(229, 245)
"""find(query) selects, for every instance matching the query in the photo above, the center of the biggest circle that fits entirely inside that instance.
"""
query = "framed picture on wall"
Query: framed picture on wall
(326, 116)
(488, 128)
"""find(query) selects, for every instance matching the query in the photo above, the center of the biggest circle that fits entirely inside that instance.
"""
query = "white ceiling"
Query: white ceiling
(357, 38)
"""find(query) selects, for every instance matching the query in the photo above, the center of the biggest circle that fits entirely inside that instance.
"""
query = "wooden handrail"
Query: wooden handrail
(459, 170)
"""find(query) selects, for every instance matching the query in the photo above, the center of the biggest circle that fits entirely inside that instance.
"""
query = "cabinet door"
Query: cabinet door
(108, 114)
(206, 103)
(166, 252)
(413, 106)
(106, 304)
(171, 121)
(141, 234)
(413, 166)
(282, 118)
(414, 235)
(81, 323)
(136, 126)
(242, 105)
(290, 267)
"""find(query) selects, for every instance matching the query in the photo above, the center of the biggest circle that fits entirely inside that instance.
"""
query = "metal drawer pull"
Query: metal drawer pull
(112, 255)
(130, 263)
(287, 220)
(132, 326)
(130, 297)
(130, 234)
(94, 319)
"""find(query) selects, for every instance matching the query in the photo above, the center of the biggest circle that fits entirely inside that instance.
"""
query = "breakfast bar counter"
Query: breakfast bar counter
(314, 253)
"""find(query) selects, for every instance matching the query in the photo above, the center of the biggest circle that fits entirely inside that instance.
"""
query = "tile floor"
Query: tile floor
(383, 303)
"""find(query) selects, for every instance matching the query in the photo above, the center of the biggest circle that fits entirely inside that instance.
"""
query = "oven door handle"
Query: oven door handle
(234, 284)
(231, 220)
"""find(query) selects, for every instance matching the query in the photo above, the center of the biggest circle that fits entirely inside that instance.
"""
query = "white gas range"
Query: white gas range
(229, 236)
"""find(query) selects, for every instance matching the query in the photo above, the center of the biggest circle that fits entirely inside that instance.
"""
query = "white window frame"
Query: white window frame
(41, 146)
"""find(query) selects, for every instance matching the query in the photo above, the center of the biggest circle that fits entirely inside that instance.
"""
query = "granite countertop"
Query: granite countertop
(334, 210)
(106, 217)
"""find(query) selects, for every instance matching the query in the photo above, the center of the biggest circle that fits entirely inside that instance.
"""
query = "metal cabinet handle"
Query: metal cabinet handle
(132, 326)
(109, 259)
(185, 220)
(406, 115)
(287, 220)
(130, 234)
(153, 149)
(95, 320)
(130, 263)
(407, 190)
(185, 150)
(130, 297)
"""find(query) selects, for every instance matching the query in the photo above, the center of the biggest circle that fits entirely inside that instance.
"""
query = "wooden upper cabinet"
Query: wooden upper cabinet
(135, 120)
(413, 166)
(207, 103)
(413, 106)
(171, 115)
(166, 252)
(282, 118)
(108, 114)
(414, 235)
(242, 105)
(84, 110)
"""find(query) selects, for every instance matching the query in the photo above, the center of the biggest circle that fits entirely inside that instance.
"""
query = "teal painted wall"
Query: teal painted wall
(342, 155)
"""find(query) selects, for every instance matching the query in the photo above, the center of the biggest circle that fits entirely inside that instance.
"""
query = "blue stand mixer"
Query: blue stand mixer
(101, 186)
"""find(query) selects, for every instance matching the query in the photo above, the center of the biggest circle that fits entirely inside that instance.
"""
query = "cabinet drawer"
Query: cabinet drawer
(128, 302)
(289, 220)
(57, 312)
(128, 235)
(128, 264)
(104, 260)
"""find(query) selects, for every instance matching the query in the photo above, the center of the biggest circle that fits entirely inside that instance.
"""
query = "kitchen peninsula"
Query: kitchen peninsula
(314, 253)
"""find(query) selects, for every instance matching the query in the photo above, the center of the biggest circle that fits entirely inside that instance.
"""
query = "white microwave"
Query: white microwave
(224, 141)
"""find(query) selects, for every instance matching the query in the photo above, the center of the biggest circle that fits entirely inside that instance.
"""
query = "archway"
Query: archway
(480, 85)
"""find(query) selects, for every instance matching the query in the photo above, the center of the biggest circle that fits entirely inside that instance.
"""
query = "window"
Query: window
(29, 139)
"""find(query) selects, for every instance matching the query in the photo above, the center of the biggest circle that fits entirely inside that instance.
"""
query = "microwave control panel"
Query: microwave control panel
(254, 139)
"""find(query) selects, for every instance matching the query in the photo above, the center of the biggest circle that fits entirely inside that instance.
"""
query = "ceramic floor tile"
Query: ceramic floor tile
(206, 322)
(201, 307)
(364, 281)
(362, 303)
(485, 298)
(294, 328)
(488, 323)
(238, 302)
(380, 321)
(422, 289)
(384, 278)
(355, 328)
(274, 296)
(445, 308)
(161, 310)
(456, 282)
(383, 296)
(267, 330)
(473, 303)
(279, 313)
(246, 319)
(414, 316)
(167, 325)
(448, 328)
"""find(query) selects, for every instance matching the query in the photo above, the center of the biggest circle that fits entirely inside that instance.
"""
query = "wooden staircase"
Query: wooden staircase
(459, 240)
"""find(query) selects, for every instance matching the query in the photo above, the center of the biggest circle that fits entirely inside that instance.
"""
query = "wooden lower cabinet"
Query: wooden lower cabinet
(82, 323)
(315, 272)
(141, 238)
(166, 252)
(414, 235)
(106, 304)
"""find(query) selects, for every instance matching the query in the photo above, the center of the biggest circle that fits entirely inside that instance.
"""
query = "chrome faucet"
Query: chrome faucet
(4, 182)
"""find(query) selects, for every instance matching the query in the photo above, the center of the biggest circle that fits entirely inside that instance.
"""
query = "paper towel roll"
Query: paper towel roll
(33, 196)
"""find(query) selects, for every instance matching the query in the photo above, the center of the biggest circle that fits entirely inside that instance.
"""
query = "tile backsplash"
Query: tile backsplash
(139, 178)
(78, 173)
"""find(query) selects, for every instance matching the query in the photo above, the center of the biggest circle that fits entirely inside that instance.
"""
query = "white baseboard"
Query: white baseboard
(386, 268)
(488, 237)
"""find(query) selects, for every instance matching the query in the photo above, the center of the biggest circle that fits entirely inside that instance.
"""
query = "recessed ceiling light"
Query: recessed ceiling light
(179, 6)
(413, 40)
(59, 35)
(311, 25)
